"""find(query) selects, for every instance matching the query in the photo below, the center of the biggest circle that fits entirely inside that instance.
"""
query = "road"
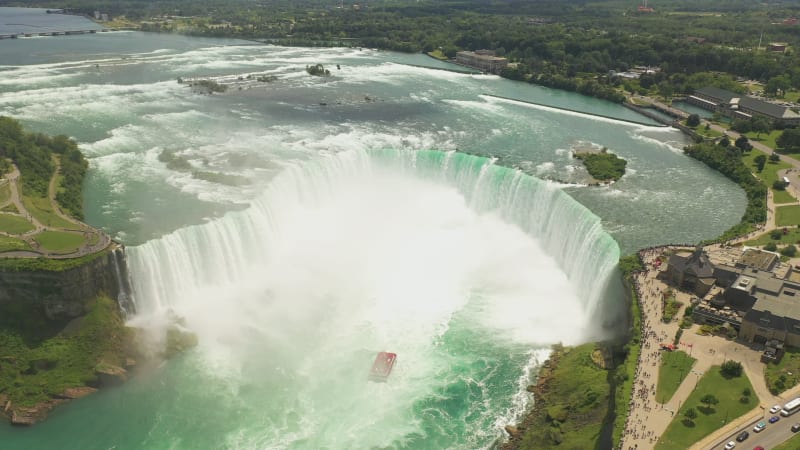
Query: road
(772, 436)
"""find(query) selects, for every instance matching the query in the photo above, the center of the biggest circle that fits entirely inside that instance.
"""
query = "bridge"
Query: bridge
(54, 33)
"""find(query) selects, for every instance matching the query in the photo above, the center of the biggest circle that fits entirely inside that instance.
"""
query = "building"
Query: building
(484, 60)
(738, 106)
(777, 47)
(692, 271)
(750, 290)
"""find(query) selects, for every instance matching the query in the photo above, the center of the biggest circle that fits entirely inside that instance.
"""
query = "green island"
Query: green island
(62, 336)
(603, 166)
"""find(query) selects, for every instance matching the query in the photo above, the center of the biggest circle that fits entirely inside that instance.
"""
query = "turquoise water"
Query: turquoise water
(364, 226)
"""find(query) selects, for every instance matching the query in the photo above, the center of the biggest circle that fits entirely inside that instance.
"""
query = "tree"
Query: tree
(725, 142)
(693, 120)
(789, 140)
(774, 157)
(779, 185)
(770, 247)
(760, 125)
(789, 250)
(731, 369)
(760, 161)
(778, 85)
(709, 400)
(690, 415)
(743, 144)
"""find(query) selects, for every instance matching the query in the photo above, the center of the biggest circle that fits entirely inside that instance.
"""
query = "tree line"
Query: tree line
(32, 153)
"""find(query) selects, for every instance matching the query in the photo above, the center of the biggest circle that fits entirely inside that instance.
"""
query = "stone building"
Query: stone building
(484, 60)
(691, 271)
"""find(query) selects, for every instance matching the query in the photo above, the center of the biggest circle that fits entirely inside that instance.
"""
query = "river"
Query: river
(318, 220)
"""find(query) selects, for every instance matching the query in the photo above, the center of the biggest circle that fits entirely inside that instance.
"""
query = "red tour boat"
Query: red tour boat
(382, 367)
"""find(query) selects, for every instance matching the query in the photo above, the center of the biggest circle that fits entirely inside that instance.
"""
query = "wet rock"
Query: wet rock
(110, 375)
(513, 431)
(77, 392)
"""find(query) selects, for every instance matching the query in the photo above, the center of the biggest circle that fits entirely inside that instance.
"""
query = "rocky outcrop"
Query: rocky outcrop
(61, 295)
(110, 375)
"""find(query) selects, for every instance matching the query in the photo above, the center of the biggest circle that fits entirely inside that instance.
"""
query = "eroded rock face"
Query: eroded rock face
(60, 296)
(34, 414)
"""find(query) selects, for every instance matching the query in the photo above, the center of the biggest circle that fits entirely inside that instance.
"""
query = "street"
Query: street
(773, 435)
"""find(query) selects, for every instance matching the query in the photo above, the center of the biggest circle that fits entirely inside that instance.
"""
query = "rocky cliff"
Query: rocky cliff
(59, 296)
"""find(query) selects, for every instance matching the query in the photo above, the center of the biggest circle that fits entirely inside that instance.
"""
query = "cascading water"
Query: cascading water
(462, 267)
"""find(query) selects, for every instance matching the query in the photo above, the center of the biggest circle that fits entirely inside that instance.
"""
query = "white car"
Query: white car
(775, 409)
(730, 445)
(759, 426)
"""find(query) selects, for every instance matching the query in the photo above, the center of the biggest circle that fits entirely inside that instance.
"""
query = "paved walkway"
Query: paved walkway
(102, 240)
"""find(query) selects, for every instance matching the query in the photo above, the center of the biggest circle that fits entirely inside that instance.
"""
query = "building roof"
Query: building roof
(751, 103)
(696, 263)
(758, 259)
(720, 95)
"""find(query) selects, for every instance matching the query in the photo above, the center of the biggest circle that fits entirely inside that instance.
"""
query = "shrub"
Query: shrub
(731, 369)
(770, 247)
(789, 250)
(693, 120)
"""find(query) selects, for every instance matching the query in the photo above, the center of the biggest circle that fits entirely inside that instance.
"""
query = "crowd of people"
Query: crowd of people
(643, 402)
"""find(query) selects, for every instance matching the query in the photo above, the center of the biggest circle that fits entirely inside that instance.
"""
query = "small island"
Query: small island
(603, 166)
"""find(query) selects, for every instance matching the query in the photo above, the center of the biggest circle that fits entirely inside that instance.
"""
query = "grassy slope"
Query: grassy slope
(577, 394)
(32, 374)
(678, 436)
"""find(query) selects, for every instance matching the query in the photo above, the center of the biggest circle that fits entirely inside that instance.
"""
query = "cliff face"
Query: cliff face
(63, 295)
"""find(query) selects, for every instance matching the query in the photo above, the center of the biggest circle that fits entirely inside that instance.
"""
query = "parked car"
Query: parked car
(759, 448)
(774, 419)
(759, 426)
(796, 427)
(742, 436)
(775, 409)
(730, 445)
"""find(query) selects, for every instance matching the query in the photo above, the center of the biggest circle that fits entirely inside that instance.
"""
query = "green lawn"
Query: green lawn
(791, 237)
(42, 210)
(769, 175)
(5, 193)
(787, 215)
(701, 130)
(791, 96)
(10, 243)
(792, 444)
(12, 224)
(674, 368)
(784, 375)
(678, 436)
(438, 54)
(60, 241)
(766, 139)
(780, 197)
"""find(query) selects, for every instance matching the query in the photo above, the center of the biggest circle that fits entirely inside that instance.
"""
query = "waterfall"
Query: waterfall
(125, 298)
(221, 251)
